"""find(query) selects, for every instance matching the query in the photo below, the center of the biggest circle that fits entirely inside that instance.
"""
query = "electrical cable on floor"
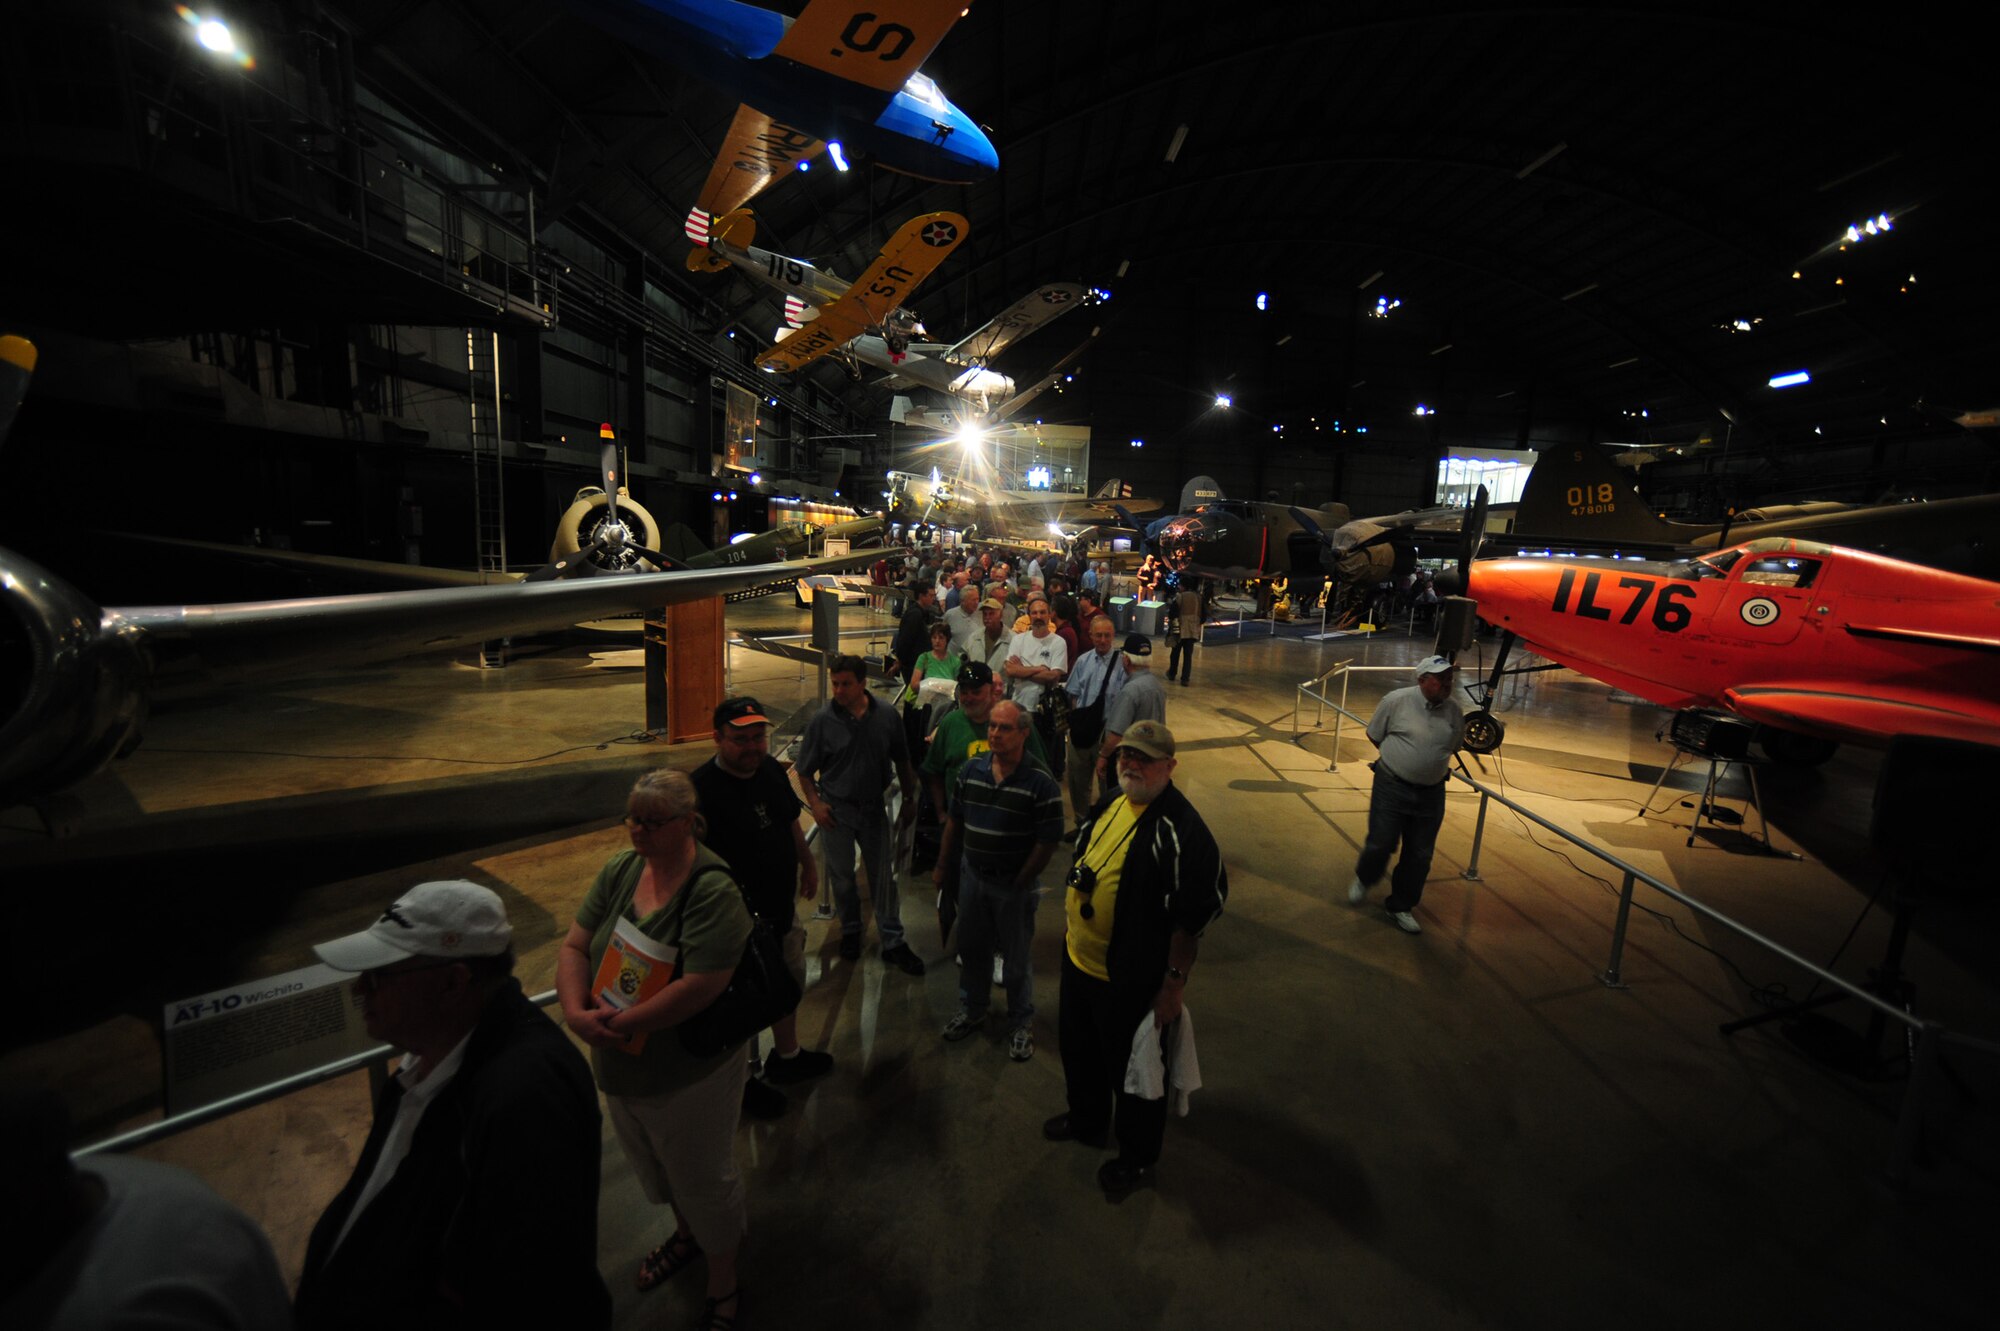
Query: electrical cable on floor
(631, 737)
(1771, 994)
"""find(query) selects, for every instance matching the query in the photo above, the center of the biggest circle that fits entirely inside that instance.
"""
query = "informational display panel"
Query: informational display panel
(232, 1040)
(739, 430)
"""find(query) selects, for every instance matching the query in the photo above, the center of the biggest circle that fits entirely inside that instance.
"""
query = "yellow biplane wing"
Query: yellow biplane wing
(756, 151)
(910, 256)
(878, 45)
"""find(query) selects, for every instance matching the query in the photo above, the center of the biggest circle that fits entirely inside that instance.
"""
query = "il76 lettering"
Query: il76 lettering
(1669, 600)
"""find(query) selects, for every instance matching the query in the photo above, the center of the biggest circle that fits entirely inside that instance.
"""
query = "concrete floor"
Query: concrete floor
(1460, 1129)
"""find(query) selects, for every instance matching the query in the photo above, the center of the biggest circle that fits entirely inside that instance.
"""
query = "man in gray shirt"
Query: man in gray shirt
(1417, 729)
(963, 619)
(1141, 698)
(851, 749)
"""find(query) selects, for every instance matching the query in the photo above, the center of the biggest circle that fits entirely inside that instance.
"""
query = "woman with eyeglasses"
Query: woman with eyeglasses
(675, 1114)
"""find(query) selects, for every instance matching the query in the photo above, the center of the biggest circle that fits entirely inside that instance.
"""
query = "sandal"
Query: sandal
(668, 1260)
(711, 1320)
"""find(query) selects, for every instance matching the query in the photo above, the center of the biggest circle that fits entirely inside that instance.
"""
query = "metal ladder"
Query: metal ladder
(482, 366)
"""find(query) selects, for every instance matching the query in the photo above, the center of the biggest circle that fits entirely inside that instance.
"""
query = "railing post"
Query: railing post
(1916, 1093)
(1478, 834)
(1610, 976)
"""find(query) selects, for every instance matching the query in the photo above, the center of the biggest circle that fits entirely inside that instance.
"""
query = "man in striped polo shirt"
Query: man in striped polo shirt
(1005, 819)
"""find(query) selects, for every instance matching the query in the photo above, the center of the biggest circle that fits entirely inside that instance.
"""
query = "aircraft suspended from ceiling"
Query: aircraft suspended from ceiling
(1814, 644)
(835, 74)
(845, 311)
(959, 370)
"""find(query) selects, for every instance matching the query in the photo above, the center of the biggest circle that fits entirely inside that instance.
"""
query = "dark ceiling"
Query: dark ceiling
(1573, 205)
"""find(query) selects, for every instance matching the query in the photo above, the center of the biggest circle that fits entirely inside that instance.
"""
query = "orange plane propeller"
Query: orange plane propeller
(1816, 643)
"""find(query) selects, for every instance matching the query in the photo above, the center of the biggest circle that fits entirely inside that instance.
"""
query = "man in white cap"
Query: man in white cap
(475, 1198)
(1417, 729)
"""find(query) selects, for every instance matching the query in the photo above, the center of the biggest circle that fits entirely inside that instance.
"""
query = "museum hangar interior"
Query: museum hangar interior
(1325, 253)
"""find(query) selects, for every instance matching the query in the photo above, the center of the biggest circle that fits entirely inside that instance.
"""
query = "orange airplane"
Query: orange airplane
(1815, 643)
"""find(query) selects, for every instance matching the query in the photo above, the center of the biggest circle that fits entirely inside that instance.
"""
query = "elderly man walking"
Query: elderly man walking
(1005, 820)
(1417, 730)
(1141, 698)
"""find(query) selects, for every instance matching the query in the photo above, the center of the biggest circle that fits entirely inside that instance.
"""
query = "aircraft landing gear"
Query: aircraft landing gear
(1483, 732)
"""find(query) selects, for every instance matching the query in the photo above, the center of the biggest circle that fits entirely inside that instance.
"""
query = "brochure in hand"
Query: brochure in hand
(634, 968)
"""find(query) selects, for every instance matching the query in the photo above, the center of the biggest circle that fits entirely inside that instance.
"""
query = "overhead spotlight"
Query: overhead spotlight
(1788, 380)
(805, 166)
(1224, 400)
(838, 157)
(1138, 443)
(756, 479)
(1423, 410)
(1263, 301)
(214, 35)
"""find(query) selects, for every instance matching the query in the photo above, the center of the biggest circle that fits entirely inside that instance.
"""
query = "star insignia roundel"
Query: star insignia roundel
(1056, 297)
(939, 234)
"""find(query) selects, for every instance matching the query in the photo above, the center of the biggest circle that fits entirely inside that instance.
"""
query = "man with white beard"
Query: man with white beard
(1148, 879)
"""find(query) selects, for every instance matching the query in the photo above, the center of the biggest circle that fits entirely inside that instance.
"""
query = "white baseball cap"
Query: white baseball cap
(453, 920)
(1435, 665)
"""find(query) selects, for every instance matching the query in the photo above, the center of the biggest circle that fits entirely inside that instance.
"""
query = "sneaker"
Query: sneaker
(802, 1066)
(1406, 922)
(1021, 1044)
(961, 1025)
(903, 959)
(850, 946)
(1357, 892)
(999, 970)
(761, 1101)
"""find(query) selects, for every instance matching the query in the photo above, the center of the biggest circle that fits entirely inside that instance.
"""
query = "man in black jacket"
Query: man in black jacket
(474, 1201)
(913, 635)
(1148, 879)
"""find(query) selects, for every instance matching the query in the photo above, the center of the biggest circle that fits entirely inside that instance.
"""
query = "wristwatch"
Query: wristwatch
(1176, 973)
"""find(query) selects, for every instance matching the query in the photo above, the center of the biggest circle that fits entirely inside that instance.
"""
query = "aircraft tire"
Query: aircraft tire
(1788, 748)
(1483, 732)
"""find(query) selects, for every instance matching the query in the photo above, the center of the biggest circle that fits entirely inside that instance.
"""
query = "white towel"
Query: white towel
(1146, 1074)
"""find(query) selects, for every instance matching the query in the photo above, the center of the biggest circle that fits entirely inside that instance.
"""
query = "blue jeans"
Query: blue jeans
(870, 830)
(995, 916)
(1411, 814)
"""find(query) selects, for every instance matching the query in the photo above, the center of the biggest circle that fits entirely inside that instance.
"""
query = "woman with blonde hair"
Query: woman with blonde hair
(675, 1113)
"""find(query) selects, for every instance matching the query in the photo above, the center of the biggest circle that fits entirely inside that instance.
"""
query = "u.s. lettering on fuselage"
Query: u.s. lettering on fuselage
(1670, 610)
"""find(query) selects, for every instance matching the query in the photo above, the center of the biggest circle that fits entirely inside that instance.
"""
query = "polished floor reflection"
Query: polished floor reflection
(1460, 1129)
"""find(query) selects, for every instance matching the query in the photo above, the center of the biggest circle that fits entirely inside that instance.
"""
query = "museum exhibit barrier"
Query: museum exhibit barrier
(1316, 688)
(375, 1060)
(1926, 1039)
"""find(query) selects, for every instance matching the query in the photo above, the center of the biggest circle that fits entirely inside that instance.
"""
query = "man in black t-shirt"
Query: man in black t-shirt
(752, 820)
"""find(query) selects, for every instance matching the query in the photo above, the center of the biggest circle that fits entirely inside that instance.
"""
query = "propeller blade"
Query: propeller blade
(1308, 521)
(665, 563)
(576, 565)
(607, 471)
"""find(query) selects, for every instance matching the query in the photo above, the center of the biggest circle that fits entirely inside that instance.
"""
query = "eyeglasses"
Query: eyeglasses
(651, 824)
(373, 979)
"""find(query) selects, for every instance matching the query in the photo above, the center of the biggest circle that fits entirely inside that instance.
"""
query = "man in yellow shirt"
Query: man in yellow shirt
(1148, 879)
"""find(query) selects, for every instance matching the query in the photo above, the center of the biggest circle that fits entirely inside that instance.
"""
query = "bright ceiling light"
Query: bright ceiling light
(1263, 300)
(838, 157)
(1787, 380)
(214, 36)
(1224, 400)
